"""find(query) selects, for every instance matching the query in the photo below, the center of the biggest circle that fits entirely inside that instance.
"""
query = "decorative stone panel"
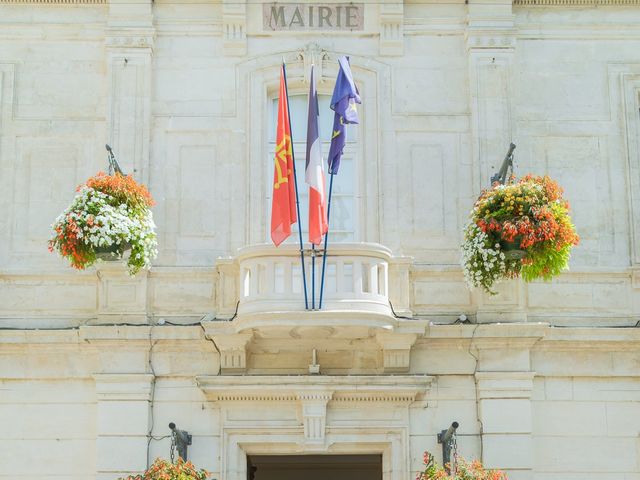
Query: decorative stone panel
(121, 297)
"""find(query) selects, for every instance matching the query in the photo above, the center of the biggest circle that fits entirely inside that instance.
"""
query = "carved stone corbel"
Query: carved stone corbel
(314, 414)
(233, 351)
(396, 350)
(313, 54)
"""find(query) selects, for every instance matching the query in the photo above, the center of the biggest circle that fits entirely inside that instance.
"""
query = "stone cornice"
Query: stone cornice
(338, 388)
(527, 335)
(54, 2)
(516, 3)
(576, 3)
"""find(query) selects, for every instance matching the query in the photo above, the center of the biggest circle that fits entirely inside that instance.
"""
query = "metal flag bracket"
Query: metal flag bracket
(507, 165)
(114, 166)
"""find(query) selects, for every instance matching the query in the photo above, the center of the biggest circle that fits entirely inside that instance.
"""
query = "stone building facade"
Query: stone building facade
(544, 380)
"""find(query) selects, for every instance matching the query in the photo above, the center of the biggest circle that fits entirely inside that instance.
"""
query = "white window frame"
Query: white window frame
(351, 152)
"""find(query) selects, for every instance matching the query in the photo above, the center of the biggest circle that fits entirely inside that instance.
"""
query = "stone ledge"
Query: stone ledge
(351, 388)
(575, 3)
(123, 386)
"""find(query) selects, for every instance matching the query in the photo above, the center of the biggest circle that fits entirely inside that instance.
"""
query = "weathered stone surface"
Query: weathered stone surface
(185, 93)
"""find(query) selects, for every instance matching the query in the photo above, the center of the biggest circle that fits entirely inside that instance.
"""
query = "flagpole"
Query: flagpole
(295, 181)
(313, 276)
(326, 240)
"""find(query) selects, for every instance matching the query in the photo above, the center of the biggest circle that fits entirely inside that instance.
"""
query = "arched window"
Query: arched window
(344, 222)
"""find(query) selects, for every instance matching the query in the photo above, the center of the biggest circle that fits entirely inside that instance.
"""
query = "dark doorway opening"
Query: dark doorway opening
(314, 467)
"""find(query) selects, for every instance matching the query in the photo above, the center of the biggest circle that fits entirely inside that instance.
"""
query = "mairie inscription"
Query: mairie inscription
(307, 16)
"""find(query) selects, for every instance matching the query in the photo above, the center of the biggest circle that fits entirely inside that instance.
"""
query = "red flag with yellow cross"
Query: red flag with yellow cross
(283, 203)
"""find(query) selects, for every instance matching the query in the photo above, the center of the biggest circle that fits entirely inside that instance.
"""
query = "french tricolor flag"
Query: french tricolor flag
(314, 172)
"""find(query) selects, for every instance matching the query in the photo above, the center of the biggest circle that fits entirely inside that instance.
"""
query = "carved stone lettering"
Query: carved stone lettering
(300, 16)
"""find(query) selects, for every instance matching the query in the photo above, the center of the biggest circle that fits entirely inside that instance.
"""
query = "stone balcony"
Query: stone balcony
(361, 280)
(262, 287)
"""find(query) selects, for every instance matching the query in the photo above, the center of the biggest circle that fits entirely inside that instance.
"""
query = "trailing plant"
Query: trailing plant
(521, 229)
(110, 213)
(463, 471)
(165, 470)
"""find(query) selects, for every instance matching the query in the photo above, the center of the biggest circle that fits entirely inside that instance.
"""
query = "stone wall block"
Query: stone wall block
(514, 451)
(121, 298)
(506, 415)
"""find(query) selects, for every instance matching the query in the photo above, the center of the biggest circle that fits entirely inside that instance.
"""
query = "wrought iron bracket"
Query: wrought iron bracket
(448, 440)
(507, 164)
(181, 439)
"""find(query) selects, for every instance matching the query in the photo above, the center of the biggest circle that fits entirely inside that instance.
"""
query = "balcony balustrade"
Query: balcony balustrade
(360, 279)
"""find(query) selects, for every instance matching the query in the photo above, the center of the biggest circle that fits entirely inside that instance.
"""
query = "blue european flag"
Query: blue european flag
(343, 103)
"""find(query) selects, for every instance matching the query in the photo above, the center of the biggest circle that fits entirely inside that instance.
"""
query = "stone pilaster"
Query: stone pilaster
(491, 43)
(504, 382)
(505, 413)
(490, 38)
(234, 27)
(129, 48)
(123, 421)
(392, 28)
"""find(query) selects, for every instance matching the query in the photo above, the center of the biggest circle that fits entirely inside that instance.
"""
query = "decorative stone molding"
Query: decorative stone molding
(575, 3)
(55, 2)
(234, 27)
(402, 389)
(314, 414)
(118, 38)
(396, 350)
(503, 39)
(392, 28)
(233, 349)
(313, 54)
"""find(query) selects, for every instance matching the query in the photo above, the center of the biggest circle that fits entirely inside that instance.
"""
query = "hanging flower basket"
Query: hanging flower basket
(463, 471)
(109, 217)
(522, 229)
(165, 470)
